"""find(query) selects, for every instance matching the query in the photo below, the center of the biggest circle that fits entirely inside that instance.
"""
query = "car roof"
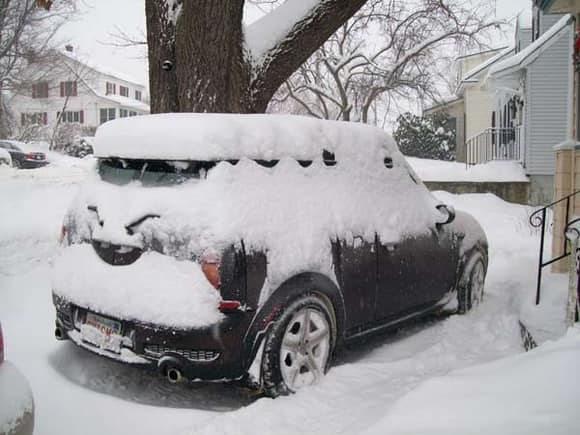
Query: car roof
(194, 136)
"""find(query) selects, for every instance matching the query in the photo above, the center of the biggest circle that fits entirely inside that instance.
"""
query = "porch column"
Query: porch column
(566, 181)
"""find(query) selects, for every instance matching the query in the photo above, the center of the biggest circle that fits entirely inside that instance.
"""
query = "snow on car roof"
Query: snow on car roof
(194, 136)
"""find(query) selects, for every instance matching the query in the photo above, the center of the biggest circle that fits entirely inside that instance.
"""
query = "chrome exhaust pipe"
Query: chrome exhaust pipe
(174, 375)
(59, 334)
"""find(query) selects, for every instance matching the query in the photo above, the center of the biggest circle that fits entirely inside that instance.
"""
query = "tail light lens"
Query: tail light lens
(210, 265)
(62, 235)
(1, 345)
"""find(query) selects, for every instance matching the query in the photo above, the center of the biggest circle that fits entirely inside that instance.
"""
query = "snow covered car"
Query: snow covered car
(213, 246)
(23, 159)
(5, 158)
(16, 402)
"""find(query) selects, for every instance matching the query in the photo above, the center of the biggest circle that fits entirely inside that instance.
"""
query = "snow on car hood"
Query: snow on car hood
(291, 212)
(157, 289)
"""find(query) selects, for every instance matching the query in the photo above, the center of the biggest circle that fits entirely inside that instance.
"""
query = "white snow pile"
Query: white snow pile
(15, 397)
(438, 170)
(157, 288)
(532, 393)
(289, 211)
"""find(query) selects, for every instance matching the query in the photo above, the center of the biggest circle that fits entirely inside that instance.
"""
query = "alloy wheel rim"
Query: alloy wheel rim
(305, 348)
(477, 282)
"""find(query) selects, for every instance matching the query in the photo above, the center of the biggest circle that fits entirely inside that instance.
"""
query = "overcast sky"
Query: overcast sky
(90, 32)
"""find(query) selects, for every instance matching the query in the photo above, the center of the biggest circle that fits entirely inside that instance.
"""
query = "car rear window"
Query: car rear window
(152, 172)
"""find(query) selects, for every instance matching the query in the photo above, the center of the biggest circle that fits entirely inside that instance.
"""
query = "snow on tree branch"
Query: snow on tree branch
(387, 49)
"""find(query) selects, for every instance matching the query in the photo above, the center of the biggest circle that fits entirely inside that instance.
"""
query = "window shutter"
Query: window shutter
(23, 119)
(62, 89)
(74, 88)
(44, 118)
(82, 117)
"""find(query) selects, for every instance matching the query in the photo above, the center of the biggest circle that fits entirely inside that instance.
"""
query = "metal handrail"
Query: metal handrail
(494, 144)
(538, 220)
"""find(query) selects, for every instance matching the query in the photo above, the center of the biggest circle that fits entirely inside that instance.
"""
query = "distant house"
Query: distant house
(470, 109)
(67, 88)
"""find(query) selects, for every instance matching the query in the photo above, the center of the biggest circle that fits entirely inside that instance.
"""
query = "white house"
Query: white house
(72, 88)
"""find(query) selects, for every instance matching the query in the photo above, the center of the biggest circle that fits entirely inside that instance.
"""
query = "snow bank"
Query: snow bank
(533, 393)
(191, 136)
(438, 170)
(156, 289)
(15, 397)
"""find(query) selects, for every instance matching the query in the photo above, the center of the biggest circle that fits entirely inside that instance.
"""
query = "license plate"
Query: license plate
(102, 332)
(105, 325)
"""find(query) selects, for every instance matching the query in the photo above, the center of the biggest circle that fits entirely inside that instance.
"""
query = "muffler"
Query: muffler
(171, 368)
(59, 334)
(174, 375)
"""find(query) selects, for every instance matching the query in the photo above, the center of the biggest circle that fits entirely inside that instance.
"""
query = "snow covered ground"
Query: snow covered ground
(453, 375)
(495, 171)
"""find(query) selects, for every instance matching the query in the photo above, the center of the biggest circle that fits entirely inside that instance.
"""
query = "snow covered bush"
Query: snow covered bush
(426, 137)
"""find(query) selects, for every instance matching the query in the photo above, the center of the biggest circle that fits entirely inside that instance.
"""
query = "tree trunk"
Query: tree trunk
(198, 61)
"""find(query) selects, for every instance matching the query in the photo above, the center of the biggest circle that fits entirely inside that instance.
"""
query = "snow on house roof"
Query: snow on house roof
(125, 101)
(446, 101)
(532, 51)
(85, 60)
(194, 136)
(470, 76)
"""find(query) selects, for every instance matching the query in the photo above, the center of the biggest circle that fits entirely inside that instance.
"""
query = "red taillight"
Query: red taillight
(1, 345)
(210, 265)
(62, 235)
(228, 306)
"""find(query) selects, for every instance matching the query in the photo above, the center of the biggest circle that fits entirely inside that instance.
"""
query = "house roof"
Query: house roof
(87, 61)
(532, 51)
(124, 101)
(471, 75)
(443, 102)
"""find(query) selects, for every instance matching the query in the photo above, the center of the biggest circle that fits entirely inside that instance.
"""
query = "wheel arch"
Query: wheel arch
(303, 284)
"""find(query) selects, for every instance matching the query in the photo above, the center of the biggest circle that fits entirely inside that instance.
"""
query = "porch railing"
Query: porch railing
(494, 144)
(538, 219)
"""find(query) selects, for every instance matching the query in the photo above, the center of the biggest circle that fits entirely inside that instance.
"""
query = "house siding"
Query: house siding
(548, 89)
(478, 108)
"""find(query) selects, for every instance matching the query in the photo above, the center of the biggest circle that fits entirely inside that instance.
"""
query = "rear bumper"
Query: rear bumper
(32, 164)
(212, 353)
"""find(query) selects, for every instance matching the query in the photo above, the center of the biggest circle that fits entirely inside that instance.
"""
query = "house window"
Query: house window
(131, 113)
(72, 116)
(107, 115)
(123, 113)
(40, 90)
(111, 88)
(68, 89)
(39, 118)
(124, 91)
(138, 95)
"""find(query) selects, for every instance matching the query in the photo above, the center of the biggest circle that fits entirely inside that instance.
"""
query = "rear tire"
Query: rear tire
(471, 285)
(298, 348)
